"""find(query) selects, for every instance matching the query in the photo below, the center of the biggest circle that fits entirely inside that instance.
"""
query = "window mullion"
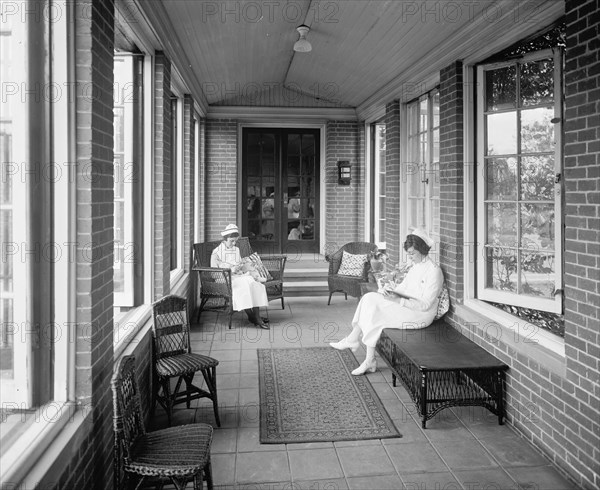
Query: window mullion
(519, 177)
(558, 162)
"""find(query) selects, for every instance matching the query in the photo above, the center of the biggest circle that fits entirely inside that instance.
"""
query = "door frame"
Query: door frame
(320, 125)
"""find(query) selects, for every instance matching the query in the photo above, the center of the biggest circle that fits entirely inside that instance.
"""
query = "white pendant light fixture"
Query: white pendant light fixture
(302, 45)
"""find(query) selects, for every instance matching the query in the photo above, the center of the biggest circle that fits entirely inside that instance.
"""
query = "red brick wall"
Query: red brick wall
(392, 181)
(581, 390)
(91, 462)
(221, 176)
(451, 179)
(343, 205)
(558, 413)
(162, 175)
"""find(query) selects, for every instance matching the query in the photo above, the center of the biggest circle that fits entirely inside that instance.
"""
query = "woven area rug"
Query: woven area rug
(310, 395)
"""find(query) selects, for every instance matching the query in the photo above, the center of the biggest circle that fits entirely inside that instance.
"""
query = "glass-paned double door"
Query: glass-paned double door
(280, 169)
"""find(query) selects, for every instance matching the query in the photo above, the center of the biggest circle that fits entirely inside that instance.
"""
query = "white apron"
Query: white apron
(246, 292)
(376, 311)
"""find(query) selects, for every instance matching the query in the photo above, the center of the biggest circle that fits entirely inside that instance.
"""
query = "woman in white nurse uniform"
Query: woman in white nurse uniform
(411, 304)
(248, 294)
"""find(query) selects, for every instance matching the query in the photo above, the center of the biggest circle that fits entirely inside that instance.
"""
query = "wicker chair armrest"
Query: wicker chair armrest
(335, 260)
(275, 264)
(209, 275)
(366, 270)
(273, 257)
(217, 270)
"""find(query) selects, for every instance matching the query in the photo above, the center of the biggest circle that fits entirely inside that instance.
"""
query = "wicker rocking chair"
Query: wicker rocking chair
(173, 358)
(179, 453)
(212, 286)
(349, 285)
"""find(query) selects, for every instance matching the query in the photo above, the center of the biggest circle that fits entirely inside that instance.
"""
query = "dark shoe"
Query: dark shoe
(262, 325)
(265, 320)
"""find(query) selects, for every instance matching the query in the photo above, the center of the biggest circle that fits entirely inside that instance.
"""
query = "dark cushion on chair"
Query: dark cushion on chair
(183, 364)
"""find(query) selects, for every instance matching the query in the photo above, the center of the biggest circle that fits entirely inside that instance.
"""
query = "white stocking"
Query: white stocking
(370, 354)
(354, 335)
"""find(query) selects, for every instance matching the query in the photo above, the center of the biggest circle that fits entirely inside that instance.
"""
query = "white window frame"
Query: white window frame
(429, 175)
(43, 427)
(504, 297)
(129, 323)
(378, 169)
(198, 179)
(178, 219)
(519, 334)
(129, 245)
(17, 389)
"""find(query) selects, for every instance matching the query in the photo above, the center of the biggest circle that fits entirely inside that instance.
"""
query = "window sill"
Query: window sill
(179, 282)
(525, 338)
(128, 328)
(33, 452)
(176, 277)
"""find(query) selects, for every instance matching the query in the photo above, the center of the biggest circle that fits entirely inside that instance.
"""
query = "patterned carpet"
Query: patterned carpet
(309, 395)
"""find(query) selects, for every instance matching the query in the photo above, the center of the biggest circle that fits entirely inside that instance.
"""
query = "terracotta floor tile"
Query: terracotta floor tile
(264, 466)
(365, 461)
(476, 451)
(314, 464)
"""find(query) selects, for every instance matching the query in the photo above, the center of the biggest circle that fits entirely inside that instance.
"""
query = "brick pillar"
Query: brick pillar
(94, 33)
(189, 149)
(221, 176)
(162, 175)
(582, 235)
(342, 205)
(392, 181)
(451, 179)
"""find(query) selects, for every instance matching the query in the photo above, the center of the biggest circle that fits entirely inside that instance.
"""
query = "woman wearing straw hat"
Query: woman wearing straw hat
(411, 304)
(248, 294)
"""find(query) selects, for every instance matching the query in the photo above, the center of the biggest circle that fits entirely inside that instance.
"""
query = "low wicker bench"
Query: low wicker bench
(441, 368)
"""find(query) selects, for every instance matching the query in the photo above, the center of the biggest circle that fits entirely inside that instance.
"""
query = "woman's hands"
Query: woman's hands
(388, 288)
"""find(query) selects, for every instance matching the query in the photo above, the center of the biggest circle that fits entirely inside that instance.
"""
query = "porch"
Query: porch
(462, 448)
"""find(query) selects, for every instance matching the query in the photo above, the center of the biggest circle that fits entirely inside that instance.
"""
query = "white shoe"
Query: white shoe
(365, 367)
(345, 344)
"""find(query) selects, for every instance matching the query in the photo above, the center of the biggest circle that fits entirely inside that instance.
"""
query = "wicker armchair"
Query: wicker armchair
(349, 285)
(212, 286)
(173, 358)
(178, 453)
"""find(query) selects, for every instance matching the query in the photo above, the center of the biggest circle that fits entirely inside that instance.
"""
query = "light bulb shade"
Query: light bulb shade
(302, 45)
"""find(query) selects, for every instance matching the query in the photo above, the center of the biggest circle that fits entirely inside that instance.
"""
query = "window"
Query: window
(12, 210)
(378, 184)
(28, 247)
(176, 175)
(35, 233)
(128, 178)
(519, 188)
(423, 163)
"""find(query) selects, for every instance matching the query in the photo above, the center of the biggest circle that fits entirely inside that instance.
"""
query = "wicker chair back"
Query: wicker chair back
(171, 328)
(346, 284)
(127, 412)
(212, 287)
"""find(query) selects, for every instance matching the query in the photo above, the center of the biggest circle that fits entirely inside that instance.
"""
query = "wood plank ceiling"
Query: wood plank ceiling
(358, 46)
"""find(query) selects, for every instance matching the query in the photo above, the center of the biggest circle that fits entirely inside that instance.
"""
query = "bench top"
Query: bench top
(440, 347)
